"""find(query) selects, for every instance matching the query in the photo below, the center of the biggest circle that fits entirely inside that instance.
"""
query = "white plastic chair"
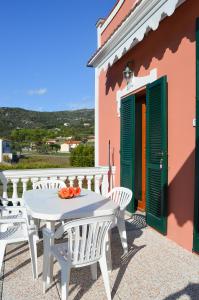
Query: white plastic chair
(122, 196)
(86, 245)
(14, 228)
(48, 184)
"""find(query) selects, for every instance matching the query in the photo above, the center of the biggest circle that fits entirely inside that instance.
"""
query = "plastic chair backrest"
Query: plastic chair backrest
(86, 238)
(48, 184)
(120, 195)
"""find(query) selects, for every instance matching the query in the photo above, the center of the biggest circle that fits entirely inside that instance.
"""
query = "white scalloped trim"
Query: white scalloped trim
(147, 16)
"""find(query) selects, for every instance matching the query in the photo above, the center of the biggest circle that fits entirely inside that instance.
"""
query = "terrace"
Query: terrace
(153, 268)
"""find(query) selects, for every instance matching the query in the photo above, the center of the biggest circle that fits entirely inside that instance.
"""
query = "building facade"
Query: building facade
(67, 146)
(150, 117)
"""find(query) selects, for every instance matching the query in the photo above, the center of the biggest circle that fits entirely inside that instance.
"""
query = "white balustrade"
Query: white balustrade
(24, 182)
(105, 184)
(4, 182)
(26, 178)
(80, 179)
(89, 181)
(71, 180)
(14, 184)
(98, 178)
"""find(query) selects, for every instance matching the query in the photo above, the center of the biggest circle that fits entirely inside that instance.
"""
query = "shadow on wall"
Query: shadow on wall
(169, 36)
(182, 190)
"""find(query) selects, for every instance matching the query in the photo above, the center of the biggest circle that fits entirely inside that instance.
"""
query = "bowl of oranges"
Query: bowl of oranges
(69, 192)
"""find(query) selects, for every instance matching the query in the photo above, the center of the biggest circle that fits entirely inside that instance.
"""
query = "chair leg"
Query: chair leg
(46, 262)
(122, 232)
(108, 250)
(104, 270)
(65, 278)
(33, 254)
(2, 252)
(94, 271)
(50, 269)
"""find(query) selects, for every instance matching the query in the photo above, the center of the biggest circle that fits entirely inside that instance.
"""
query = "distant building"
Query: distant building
(67, 146)
(91, 139)
(51, 142)
(5, 149)
(87, 124)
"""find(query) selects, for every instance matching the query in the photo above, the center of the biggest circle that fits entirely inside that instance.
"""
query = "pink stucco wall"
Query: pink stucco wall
(170, 49)
(122, 13)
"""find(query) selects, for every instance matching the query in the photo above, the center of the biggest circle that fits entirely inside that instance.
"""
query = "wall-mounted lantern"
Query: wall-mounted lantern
(127, 73)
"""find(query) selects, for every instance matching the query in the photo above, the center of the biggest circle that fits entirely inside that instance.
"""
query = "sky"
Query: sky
(44, 49)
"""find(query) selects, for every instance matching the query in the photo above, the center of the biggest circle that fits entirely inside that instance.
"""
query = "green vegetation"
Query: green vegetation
(39, 162)
(82, 156)
(36, 138)
(62, 123)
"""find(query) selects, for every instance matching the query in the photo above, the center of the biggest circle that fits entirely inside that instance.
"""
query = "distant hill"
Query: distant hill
(12, 118)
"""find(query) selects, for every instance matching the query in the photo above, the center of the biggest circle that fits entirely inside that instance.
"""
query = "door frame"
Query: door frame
(138, 94)
(159, 222)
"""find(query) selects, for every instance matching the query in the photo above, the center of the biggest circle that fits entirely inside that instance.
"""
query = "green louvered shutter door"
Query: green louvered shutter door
(157, 166)
(196, 207)
(127, 146)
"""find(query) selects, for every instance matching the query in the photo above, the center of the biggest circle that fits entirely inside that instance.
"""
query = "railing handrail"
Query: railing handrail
(24, 173)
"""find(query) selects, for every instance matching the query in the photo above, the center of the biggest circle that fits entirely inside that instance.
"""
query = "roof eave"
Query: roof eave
(132, 30)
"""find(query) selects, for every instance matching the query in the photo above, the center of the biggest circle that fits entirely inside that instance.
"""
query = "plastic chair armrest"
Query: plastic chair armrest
(13, 220)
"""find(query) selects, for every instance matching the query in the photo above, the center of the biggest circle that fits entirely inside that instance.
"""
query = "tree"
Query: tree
(55, 147)
(27, 136)
(82, 156)
(42, 148)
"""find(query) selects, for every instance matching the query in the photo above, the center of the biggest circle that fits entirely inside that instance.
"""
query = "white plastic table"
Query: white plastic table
(47, 206)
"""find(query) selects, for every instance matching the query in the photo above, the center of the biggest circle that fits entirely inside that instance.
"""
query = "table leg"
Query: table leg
(50, 226)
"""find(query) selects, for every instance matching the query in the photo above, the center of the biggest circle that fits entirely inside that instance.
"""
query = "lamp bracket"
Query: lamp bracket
(134, 84)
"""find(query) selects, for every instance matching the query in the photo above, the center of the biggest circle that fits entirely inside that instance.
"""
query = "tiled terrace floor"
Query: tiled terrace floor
(155, 268)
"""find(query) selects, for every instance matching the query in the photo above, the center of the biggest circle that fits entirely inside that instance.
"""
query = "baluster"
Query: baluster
(34, 180)
(97, 183)
(24, 182)
(5, 188)
(63, 178)
(105, 184)
(80, 179)
(71, 179)
(15, 192)
(89, 179)
(112, 185)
